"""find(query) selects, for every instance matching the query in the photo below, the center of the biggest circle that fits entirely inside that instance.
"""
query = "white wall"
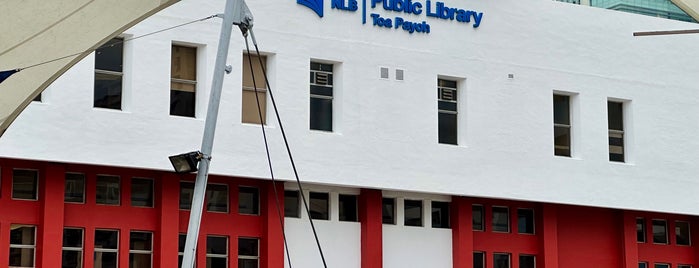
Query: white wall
(387, 135)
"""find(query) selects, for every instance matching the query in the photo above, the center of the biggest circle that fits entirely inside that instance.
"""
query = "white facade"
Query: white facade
(385, 131)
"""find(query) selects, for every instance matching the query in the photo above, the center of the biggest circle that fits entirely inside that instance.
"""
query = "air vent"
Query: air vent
(399, 75)
(447, 94)
(322, 78)
(384, 73)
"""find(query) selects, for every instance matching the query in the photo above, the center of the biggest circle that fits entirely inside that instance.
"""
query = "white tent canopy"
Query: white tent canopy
(37, 31)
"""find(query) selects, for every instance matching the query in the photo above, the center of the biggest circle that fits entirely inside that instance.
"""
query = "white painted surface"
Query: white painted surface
(416, 247)
(387, 130)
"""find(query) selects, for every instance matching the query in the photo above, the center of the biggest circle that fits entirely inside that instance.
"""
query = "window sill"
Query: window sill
(110, 110)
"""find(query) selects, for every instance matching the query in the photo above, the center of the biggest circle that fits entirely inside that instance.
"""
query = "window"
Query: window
(561, 125)
(25, 184)
(348, 208)
(478, 259)
(388, 210)
(501, 219)
(22, 245)
(109, 64)
(446, 95)
(248, 200)
(616, 131)
(682, 233)
(75, 188)
(662, 265)
(642, 265)
(659, 231)
(106, 248)
(108, 190)
(501, 260)
(186, 194)
(684, 266)
(477, 214)
(217, 198)
(142, 192)
(140, 249)
(440, 214)
(640, 230)
(527, 261)
(181, 241)
(216, 252)
(183, 80)
(291, 204)
(413, 212)
(72, 248)
(321, 96)
(250, 113)
(320, 206)
(525, 221)
(248, 253)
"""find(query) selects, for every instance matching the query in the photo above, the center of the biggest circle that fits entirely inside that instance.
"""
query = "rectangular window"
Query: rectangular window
(527, 261)
(248, 200)
(186, 194)
(109, 65)
(561, 125)
(250, 112)
(388, 210)
(181, 241)
(248, 253)
(22, 245)
(321, 110)
(477, 215)
(501, 219)
(413, 212)
(447, 113)
(501, 260)
(72, 256)
(25, 184)
(615, 120)
(662, 265)
(108, 190)
(217, 198)
(682, 233)
(183, 80)
(75, 188)
(642, 265)
(659, 231)
(684, 266)
(320, 206)
(640, 230)
(142, 192)
(525, 221)
(478, 259)
(106, 248)
(291, 204)
(440, 214)
(140, 249)
(216, 252)
(348, 208)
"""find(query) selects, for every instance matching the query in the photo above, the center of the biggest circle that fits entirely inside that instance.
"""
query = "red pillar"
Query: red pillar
(371, 219)
(461, 232)
(272, 243)
(550, 236)
(51, 187)
(630, 245)
(167, 235)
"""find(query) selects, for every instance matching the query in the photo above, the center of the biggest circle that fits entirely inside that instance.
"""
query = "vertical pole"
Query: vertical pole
(208, 138)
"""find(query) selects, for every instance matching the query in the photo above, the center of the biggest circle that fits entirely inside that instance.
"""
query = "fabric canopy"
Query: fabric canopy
(691, 7)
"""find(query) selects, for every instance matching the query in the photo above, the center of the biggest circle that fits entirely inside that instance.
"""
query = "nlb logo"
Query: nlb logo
(315, 5)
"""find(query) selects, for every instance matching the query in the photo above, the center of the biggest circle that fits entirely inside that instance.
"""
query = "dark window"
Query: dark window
(216, 252)
(108, 190)
(141, 192)
(525, 221)
(388, 210)
(291, 204)
(440, 214)
(561, 125)
(321, 96)
(640, 230)
(413, 212)
(106, 248)
(186, 194)
(181, 241)
(501, 260)
(478, 259)
(684, 266)
(526, 261)
(25, 184)
(501, 219)
(320, 206)
(477, 214)
(642, 265)
(348, 208)
(248, 200)
(250, 112)
(140, 249)
(248, 253)
(662, 265)
(22, 245)
(217, 198)
(75, 188)
(108, 74)
(682, 233)
(183, 80)
(72, 255)
(616, 131)
(660, 232)
(447, 112)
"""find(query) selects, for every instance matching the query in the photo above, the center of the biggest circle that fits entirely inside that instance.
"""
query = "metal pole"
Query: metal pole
(208, 138)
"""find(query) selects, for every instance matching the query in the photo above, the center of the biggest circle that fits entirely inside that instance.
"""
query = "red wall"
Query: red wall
(589, 237)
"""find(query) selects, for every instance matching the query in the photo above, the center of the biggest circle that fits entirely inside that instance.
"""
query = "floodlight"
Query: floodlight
(186, 163)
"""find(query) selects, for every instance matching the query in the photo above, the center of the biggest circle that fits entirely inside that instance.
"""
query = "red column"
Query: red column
(272, 243)
(167, 235)
(370, 216)
(4, 243)
(550, 236)
(461, 232)
(630, 245)
(51, 187)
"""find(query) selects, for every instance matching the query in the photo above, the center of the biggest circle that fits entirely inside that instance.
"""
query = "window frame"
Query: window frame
(208, 200)
(152, 192)
(689, 233)
(454, 112)
(482, 216)
(328, 207)
(84, 182)
(191, 197)
(36, 183)
(667, 235)
(142, 251)
(250, 257)
(525, 256)
(340, 208)
(422, 212)
(185, 81)
(108, 250)
(214, 255)
(507, 213)
(297, 204)
(75, 249)
(482, 257)
(621, 132)
(533, 221)
(661, 265)
(440, 224)
(22, 246)
(256, 205)
(261, 87)
(568, 126)
(394, 216)
(509, 258)
(644, 229)
(330, 85)
(121, 41)
(97, 179)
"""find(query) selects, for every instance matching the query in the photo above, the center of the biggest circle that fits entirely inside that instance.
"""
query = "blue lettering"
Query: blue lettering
(373, 3)
(340, 4)
(477, 18)
(417, 8)
(429, 10)
(381, 22)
